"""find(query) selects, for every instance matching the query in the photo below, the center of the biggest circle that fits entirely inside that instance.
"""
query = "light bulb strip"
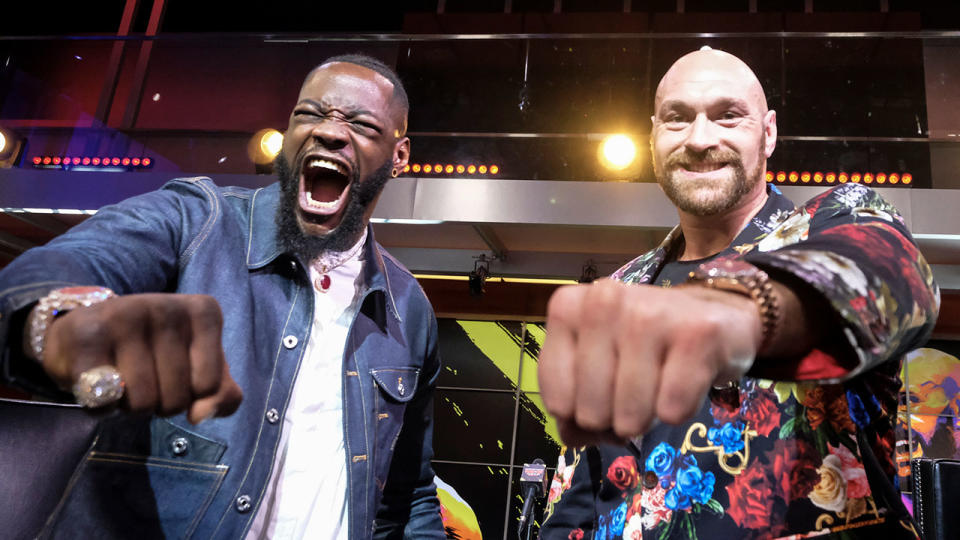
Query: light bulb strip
(818, 177)
(450, 168)
(68, 162)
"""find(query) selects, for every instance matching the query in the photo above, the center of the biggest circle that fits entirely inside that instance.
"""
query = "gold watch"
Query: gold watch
(741, 277)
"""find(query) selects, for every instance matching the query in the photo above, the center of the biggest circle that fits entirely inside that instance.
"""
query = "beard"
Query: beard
(708, 197)
(291, 237)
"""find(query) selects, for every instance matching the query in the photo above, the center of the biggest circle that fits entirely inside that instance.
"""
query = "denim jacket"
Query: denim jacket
(165, 477)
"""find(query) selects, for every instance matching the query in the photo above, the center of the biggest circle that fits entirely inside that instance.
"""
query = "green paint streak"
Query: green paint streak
(497, 345)
(528, 382)
(457, 409)
(500, 444)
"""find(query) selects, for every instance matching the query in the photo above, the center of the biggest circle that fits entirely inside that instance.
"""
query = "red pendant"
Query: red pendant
(322, 283)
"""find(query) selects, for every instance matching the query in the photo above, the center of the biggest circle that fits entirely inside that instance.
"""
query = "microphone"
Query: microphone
(533, 484)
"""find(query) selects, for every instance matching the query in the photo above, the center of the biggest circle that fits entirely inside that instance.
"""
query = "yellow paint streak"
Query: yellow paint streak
(497, 345)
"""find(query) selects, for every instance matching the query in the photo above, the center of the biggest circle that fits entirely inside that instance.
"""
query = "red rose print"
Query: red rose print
(576, 534)
(623, 473)
(762, 413)
(793, 468)
(751, 499)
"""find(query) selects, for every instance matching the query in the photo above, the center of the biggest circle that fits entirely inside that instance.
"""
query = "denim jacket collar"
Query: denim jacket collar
(263, 247)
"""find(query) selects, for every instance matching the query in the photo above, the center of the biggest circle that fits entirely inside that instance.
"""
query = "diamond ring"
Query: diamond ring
(99, 386)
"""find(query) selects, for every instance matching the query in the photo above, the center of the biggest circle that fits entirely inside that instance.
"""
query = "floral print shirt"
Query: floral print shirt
(798, 448)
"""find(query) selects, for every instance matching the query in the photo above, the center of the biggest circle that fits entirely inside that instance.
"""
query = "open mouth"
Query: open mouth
(323, 186)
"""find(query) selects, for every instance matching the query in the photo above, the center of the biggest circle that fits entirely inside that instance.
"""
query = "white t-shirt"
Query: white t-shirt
(306, 496)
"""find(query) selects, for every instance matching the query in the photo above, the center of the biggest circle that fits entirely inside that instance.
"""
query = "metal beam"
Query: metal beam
(15, 243)
(489, 237)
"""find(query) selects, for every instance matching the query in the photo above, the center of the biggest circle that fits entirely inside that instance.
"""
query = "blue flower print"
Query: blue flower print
(676, 500)
(661, 461)
(730, 436)
(601, 532)
(618, 520)
(694, 483)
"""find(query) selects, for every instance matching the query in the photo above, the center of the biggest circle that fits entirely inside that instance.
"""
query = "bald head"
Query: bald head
(705, 68)
(712, 134)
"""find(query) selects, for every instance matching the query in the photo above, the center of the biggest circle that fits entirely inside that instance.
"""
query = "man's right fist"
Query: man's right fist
(166, 347)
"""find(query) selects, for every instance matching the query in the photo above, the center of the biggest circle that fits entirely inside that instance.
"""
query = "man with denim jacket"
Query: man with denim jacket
(282, 362)
(753, 357)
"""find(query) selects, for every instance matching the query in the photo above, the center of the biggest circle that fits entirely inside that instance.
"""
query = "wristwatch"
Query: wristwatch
(741, 277)
(58, 302)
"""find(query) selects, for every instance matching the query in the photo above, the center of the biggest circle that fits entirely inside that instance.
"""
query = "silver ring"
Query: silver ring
(99, 386)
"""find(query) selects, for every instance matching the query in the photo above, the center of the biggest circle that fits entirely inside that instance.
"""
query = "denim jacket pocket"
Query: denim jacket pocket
(399, 384)
(176, 477)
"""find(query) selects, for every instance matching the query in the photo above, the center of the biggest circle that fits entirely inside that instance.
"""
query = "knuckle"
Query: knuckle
(205, 312)
(590, 420)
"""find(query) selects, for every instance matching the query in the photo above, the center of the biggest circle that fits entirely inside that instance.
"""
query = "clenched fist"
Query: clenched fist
(618, 357)
(166, 347)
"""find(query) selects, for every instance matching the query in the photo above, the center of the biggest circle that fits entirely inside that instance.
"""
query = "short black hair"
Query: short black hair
(374, 64)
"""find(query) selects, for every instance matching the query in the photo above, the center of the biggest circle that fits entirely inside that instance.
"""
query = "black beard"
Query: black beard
(293, 240)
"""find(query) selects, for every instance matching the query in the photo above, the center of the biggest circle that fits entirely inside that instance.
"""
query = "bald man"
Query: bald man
(740, 380)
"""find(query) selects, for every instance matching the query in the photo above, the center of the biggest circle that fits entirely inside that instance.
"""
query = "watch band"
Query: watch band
(58, 302)
(741, 277)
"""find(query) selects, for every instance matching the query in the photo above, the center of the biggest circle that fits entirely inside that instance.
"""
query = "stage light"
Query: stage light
(881, 178)
(95, 161)
(125, 161)
(460, 169)
(477, 278)
(482, 169)
(37, 160)
(818, 177)
(494, 169)
(907, 178)
(415, 168)
(769, 176)
(471, 169)
(406, 168)
(448, 169)
(617, 152)
(894, 178)
(264, 147)
(86, 161)
(831, 177)
(437, 168)
(781, 177)
(56, 160)
(805, 177)
(868, 178)
(427, 168)
(793, 176)
(855, 178)
(588, 273)
(135, 161)
(842, 178)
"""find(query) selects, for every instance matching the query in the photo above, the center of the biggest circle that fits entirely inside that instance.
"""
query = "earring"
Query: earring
(395, 172)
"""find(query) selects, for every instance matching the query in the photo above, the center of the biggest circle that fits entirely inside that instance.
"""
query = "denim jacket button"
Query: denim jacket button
(243, 504)
(290, 341)
(179, 446)
(273, 416)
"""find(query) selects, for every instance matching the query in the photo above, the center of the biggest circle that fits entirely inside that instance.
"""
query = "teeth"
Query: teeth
(324, 164)
(321, 204)
(704, 167)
